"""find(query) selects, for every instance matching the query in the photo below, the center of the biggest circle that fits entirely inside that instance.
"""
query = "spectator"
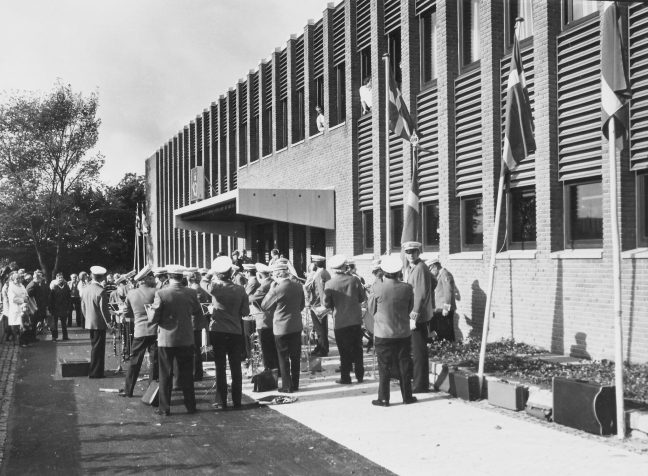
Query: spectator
(18, 310)
(320, 121)
(38, 292)
(73, 284)
(365, 95)
(60, 303)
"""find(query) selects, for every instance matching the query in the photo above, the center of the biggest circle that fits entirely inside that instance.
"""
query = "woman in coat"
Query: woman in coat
(17, 300)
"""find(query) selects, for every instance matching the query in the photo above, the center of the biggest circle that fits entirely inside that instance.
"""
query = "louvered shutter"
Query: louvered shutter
(232, 112)
(468, 162)
(423, 5)
(299, 63)
(338, 35)
(639, 83)
(392, 15)
(363, 24)
(365, 164)
(318, 49)
(283, 74)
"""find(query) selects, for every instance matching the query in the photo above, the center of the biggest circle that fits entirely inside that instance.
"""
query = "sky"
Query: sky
(155, 64)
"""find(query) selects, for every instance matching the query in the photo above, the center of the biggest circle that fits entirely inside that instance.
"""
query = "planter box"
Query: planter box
(466, 385)
(507, 395)
(584, 405)
(75, 368)
(441, 378)
(540, 403)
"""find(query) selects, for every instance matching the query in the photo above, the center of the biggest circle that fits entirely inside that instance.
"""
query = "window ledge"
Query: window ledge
(637, 253)
(267, 156)
(337, 126)
(588, 253)
(316, 135)
(516, 254)
(468, 255)
(297, 143)
(281, 150)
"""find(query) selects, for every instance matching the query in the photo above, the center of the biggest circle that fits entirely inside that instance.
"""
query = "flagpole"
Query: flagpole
(135, 250)
(616, 280)
(387, 165)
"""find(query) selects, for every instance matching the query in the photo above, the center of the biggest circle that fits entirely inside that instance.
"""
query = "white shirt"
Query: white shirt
(365, 98)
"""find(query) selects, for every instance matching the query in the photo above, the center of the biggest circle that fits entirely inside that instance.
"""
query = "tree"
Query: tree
(44, 160)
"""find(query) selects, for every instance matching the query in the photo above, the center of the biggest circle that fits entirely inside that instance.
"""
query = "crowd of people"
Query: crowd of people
(174, 313)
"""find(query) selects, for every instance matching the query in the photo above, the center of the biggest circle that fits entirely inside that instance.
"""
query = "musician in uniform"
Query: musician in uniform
(391, 304)
(145, 334)
(199, 323)
(320, 323)
(263, 320)
(173, 308)
(226, 331)
(94, 305)
(161, 279)
(249, 325)
(418, 275)
(343, 294)
(285, 301)
(444, 301)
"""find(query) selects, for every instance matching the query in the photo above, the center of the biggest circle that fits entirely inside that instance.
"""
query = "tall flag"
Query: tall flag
(411, 207)
(615, 86)
(518, 121)
(138, 222)
(400, 122)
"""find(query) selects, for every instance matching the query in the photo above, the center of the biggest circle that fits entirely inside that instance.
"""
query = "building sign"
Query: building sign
(197, 184)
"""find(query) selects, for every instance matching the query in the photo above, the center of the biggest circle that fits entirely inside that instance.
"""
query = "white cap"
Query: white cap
(175, 269)
(317, 258)
(159, 270)
(203, 270)
(337, 261)
(263, 268)
(98, 270)
(221, 265)
(143, 272)
(279, 265)
(391, 264)
(249, 267)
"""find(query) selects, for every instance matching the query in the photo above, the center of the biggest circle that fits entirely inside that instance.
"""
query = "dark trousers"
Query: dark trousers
(126, 329)
(54, 329)
(139, 348)
(349, 342)
(248, 329)
(420, 359)
(197, 358)
(228, 346)
(443, 325)
(184, 358)
(97, 353)
(78, 313)
(393, 353)
(289, 354)
(321, 329)
(268, 348)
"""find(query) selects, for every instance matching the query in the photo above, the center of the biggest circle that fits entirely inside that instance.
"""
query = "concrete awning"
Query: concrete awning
(226, 214)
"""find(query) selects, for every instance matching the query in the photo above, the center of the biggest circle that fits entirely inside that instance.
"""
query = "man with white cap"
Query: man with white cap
(94, 304)
(263, 320)
(320, 324)
(160, 274)
(391, 304)
(199, 323)
(173, 308)
(249, 325)
(285, 301)
(226, 329)
(418, 275)
(344, 293)
(145, 334)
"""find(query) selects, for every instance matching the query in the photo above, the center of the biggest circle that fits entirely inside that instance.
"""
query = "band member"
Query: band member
(343, 294)
(94, 305)
(320, 322)
(161, 279)
(263, 320)
(172, 310)
(60, 305)
(391, 303)
(249, 325)
(118, 299)
(199, 324)
(145, 335)
(420, 278)
(285, 301)
(226, 331)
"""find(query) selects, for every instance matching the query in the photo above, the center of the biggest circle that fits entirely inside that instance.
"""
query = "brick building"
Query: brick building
(273, 180)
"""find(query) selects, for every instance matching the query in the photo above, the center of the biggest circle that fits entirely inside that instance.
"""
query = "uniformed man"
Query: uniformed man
(145, 334)
(285, 301)
(391, 303)
(94, 305)
(173, 308)
(249, 325)
(420, 278)
(263, 320)
(226, 330)
(343, 294)
(161, 279)
(200, 323)
(118, 298)
(444, 302)
(320, 322)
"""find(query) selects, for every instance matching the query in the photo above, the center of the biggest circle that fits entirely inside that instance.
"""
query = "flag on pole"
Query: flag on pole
(400, 122)
(518, 121)
(138, 222)
(411, 215)
(615, 86)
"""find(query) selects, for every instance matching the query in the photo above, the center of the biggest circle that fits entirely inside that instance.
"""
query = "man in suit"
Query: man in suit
(263, 320)
(320, 322)
(418, 275)
(172, 310)
(145, 334)
(199, 324)
(343, 294)
(94, 305)
(60, 305)
(444, 301)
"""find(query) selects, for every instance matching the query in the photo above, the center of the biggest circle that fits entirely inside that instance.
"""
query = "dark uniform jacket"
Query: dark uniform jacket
(230, 305)
(40, 293)
(391, 303)
(263, 319)
(420, 278)
(252, 285)
(94, 305)
(60, 300)
(319, 284)
(173, 308)
(285, 301)
(344, 293)
(444, 293)
(136, 300)
(203, 298)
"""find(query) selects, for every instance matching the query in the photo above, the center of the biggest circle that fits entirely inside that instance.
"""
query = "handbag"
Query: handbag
(265, 381)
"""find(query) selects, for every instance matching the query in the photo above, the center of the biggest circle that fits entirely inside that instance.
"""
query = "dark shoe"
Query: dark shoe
(162, 412)
(343, 381)
(285, 390)
(420, 390)
(380, 403)
(410, 400)
(191, 411)
(66, 338)
(360, 379)
(122, 393)
(96, 376)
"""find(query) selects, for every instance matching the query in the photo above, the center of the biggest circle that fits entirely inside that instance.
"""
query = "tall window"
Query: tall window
(318, 89)
(642, 210)
(243, 153)
(282, 126)
(396, 225)
(576, 9)
(365, 64)
(394, 51)
(428, 46)
(254, 138)
(367, 231)
(522, 219)
(469, 24)
(584, 215)
(298, 117)
(514, 9)
(267, 131)
(340, 95)
(430, 225)
(472, 221)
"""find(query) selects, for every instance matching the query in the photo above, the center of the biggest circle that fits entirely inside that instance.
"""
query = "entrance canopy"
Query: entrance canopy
(226, 214)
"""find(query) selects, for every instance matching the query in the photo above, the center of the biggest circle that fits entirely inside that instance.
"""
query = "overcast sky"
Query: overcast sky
(154, 63)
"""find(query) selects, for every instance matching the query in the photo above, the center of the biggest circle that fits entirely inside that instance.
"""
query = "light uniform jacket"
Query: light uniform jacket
(204, 297)
(344, 293)
(135, 309)
(444, 293)
(94, 305)
(420, 278)
(17, 297)
(230, 305)
(263, 319)
(251, 286)
(285, 301)
(391, 303)
(173, 307)
(319, 285)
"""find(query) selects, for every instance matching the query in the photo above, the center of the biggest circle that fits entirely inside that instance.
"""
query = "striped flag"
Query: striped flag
(615, 87)
(411, 216)
(518, 121)
(138, 222)
(400, 122)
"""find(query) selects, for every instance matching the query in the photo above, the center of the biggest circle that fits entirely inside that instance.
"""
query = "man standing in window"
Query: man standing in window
(444, 300)
(365, 95)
